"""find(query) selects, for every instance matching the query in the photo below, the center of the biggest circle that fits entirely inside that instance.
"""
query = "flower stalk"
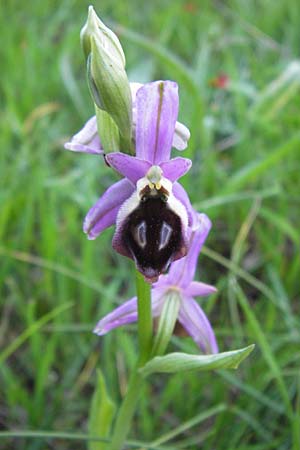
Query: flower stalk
(145, 330)
(145, 323)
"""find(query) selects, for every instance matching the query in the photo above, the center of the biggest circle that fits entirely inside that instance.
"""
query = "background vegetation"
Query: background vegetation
(237, 66)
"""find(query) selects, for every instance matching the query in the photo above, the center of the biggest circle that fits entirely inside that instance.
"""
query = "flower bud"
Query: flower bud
(110, 87)
(107, 78)
(94, 27)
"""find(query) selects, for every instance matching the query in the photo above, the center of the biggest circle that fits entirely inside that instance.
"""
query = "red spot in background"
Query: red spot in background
(221, 81)
(190, 7)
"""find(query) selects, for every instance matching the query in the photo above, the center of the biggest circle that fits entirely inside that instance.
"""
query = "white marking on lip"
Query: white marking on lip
(140, 234)
(165, 235)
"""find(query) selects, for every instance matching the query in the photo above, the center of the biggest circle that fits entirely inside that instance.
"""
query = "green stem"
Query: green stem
(127, 409)
(145, 326)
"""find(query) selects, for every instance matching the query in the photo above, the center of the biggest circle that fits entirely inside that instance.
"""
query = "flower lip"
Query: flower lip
(151, 229)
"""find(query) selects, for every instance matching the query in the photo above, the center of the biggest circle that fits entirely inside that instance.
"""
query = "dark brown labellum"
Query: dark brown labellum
(153, 235)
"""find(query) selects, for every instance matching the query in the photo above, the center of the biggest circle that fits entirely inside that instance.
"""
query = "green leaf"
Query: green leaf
(182, 362)
(101, 414)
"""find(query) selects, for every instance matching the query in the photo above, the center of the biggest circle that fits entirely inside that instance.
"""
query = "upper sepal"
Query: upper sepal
(156, 115)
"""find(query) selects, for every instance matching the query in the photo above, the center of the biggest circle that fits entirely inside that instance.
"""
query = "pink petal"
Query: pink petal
(124, 314)
(198, 289)
(104, 213)
(156, 114)
(129, 166)
(175, 168)
(193, 319)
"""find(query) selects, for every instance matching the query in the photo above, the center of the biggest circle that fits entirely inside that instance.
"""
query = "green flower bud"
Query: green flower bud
(110, 87)
(94, 27)
(108, 81)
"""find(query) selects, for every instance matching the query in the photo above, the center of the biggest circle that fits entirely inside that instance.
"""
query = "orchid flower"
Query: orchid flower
(179, 279)
(151, 209)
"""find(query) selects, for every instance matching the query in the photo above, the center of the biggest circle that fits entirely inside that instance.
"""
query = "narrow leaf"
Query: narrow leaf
(101, 414)
(182, 362)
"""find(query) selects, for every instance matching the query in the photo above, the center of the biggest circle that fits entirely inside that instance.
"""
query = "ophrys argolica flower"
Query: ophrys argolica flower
(151, 210)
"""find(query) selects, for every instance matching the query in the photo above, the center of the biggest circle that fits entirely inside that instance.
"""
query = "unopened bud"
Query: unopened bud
(110, 87)
(94, 27)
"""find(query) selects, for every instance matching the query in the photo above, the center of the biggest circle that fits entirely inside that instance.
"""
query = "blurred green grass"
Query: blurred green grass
(55, 284)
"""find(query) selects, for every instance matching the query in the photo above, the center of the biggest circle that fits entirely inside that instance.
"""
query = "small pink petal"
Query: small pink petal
(129, 166)
(175, 168)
